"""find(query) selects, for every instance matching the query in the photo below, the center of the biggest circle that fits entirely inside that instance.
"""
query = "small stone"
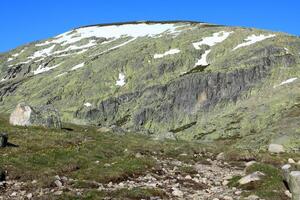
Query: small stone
(29, 196)
(227, 198)
(188, 177)
(58, 193)
(138, 155)
(216, 199)
(177, 192)
(286, 167)
(107, 165)
(288, 193)
(97, 161)
(252, 197)
(298, 163)
(224, 183)
(294, 184)
(256, 176)
(57, 177)
(58, 183)
(13, 194)
(34, 181)
(291, 161)
(220, 156)
(276, 148)
(227, 177)
(238, 192)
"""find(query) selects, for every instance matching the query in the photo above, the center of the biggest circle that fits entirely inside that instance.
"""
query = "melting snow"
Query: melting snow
(121, 80)
(170, 52)
(253, 39)
(77, 66)
(286, 82)
(42, 69)
(212, 40)
(112, 31)
(59, 75)
(42, 53)
(202, 61)
(87, 104)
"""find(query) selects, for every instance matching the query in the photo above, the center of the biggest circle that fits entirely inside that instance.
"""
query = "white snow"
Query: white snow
(87, 104)
(202, 61)
(59, 75)
(288, 81)
(78, 66)
(170, 52)
(252, 39)
(112, 31)
(42, 69)
(9, 59)
(121, 80)
(212, 40)
(42, 53)
(115, 47)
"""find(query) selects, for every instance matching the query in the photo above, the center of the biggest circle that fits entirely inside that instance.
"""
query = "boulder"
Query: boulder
(26, 115)
(294, 184)
(3, 140)
(255, 176)
(276, 148)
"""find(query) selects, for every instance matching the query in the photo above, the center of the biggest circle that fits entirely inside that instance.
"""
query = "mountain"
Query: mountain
(198, 81)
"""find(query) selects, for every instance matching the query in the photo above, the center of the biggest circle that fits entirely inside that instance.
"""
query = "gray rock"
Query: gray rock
(276, 148)
(255, 176)
(3, 139)
(165, 136)
(294, 184)
(26, 115)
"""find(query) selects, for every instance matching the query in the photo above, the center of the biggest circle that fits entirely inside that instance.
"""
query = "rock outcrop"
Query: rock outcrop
(45, 116)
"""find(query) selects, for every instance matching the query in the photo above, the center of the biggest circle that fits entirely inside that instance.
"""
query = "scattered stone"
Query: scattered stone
(188, 177)
(288, 193)
(138, 155)
(255, 176)
(29, 196)
(58, 183)
(252, 197)
(176, 192)
(107, 165)
(25, 115)
(225, 182)
(58, 193)
(220, 156)
(276, 148)
(3, 140)
(291, 161)
(227, 198)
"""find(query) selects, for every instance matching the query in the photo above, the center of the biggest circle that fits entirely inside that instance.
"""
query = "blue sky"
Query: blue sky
(24, 21)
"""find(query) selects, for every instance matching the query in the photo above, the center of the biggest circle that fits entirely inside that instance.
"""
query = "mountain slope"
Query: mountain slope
(197, 80)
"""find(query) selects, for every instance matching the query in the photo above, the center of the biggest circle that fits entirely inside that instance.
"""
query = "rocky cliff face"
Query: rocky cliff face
(188, 78)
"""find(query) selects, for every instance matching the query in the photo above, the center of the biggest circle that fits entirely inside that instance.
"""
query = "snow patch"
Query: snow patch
(87, 104)
(170, 52)
(113, 31)
(42, 53)
(212, 40)
(202, 61)
(59, 75)
(286, 82)
(42, 69)
(252, 39)
(77, 66)
(121, 82)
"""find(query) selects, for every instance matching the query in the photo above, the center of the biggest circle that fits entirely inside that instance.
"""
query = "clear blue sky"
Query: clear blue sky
(23, 21)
